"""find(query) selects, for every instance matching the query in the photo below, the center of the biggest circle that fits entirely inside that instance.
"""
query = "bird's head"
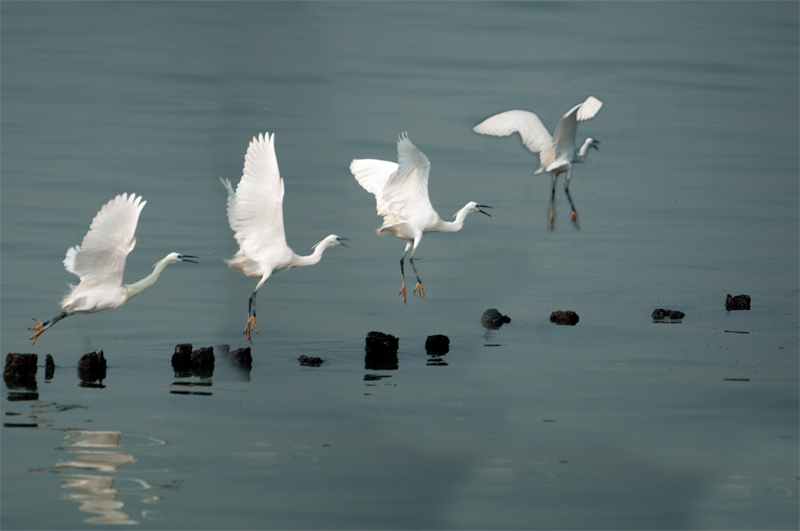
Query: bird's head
(473, 207)
(173, 258)
(331, 241)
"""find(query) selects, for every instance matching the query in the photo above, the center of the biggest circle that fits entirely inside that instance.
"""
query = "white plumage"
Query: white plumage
(255, 213)
(557, 153)
(401, 195)
(99, 262)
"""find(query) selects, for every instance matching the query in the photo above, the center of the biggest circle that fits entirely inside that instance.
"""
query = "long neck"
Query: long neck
(452, 226)
(313, 258)
(584, 150)
(138, 287)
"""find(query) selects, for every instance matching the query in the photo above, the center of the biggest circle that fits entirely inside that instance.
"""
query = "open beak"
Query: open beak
(340, 240)
(187, 258)
(595, 145)
(479, 207)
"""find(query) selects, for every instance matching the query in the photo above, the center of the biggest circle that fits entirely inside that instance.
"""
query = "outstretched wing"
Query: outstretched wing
(530, 128)
(255, 210)
(406, 192)
(100, 258)
(373, 175)
(564, 135)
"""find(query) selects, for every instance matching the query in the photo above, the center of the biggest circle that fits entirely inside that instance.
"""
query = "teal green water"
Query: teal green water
(617, 422)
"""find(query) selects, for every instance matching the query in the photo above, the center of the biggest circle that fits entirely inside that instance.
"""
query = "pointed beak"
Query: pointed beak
(187, 258)
(341, 241)
(479, 207)
(596, 145)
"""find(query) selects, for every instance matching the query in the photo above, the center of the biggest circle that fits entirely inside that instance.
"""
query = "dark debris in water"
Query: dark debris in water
(564, 317)
(310, 361)
(187, 362)
(739, 302)
(92, 368)
(20, 371)
(493, 319)
(437, 344)
(660, 315)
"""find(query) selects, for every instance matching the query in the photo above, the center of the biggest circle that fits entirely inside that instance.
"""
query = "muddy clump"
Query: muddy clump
(739, 302)
(660, 314)
(20, 371)
(492, 319)
(241, 357)
(92, 368)
(564, 317)
(437, 344)
(381, 351)
(188, 362)
(310, 361)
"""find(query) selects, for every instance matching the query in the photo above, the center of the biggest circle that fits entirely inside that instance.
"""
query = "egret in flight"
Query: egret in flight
(556, 153)
(255, 213)
(99, 261)
(401, 192)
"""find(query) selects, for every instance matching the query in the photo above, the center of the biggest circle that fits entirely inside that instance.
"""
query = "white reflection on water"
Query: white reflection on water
(96, 493)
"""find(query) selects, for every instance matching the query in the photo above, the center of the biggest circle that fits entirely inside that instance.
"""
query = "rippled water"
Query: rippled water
(617, 422)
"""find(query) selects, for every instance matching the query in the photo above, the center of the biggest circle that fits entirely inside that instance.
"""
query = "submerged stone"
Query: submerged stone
(739, 302)
(564, 317)
(437, 344)
(20, 371)
(310, 361)
(493, 319)
(92, 367)
(659, 314)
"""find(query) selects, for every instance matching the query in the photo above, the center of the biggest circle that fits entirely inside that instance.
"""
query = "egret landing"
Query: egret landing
(99, 261)
(255, 213)
(557, 153)
(401, 193)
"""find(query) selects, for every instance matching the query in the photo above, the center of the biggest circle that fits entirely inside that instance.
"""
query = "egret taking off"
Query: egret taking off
(401, 192)
(99, 261)
(255, 213)
(556, 153)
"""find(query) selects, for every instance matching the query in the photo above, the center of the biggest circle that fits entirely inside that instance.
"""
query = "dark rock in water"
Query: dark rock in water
(188, 362)
(381, 350)
(20, 371)
(49, 367)
(380, 344)
(739, 302)
(241, 356)
(92, 367)
(659, 314)
(203, 357)
(564, 317)
(493, 319)
(437, 344)
(310, 361)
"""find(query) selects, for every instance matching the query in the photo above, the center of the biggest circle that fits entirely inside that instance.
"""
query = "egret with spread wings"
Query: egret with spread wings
(99, 261)
(557, 153)
(401, 193)
(255, 213)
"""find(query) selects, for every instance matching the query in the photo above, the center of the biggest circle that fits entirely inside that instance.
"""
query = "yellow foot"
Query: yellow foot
(251, 326)
(40, 327)
(552, 217)
(575, 219)
(403, 293)
(417, 288)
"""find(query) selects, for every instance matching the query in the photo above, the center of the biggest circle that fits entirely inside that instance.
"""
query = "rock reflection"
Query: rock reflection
(97, 451)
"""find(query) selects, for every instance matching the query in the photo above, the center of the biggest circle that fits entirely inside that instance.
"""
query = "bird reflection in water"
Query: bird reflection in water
(98, 451)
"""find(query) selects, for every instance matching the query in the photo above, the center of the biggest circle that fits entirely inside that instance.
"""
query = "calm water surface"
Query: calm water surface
(617, 422)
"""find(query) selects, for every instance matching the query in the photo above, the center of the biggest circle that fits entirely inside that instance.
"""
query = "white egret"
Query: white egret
(255, 213)
(99, 261)
(401, 192)
(556, 153)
